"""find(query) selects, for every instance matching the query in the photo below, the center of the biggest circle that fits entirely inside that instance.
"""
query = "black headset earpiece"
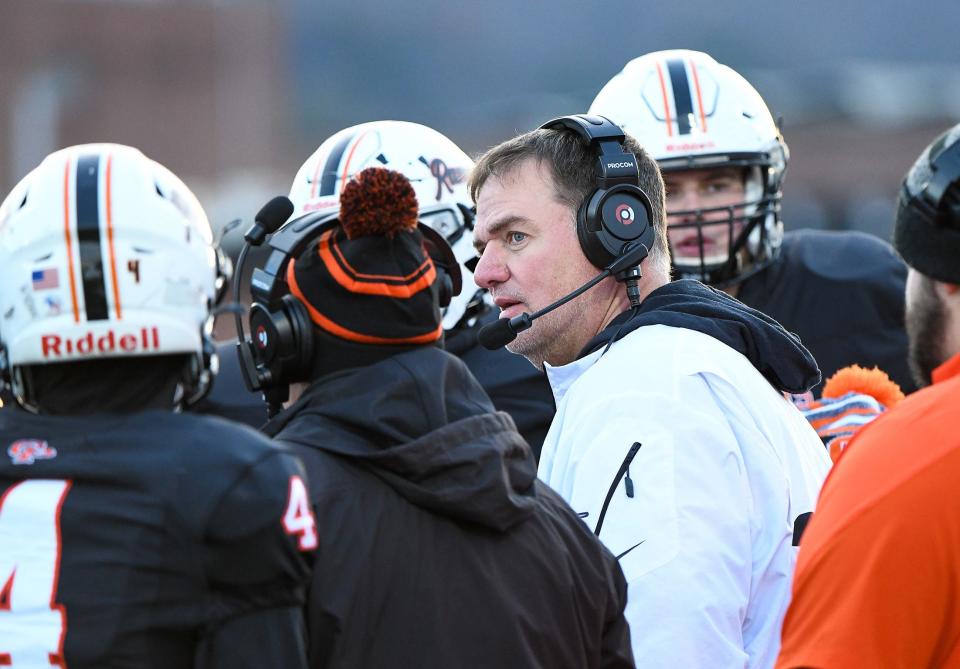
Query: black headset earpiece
(280, 350)
(281, 342)
(616, 215)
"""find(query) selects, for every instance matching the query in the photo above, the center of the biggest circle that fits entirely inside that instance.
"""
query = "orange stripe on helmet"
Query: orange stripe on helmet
(367, 284)
(346, 164)
(666, 101)
(696, 87)
(113, 255)
(316, 178)
(344, 333)
(67, 235)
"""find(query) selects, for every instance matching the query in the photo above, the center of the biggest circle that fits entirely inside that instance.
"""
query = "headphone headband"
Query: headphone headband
(591, 128)
(293, 238)
(614, 164)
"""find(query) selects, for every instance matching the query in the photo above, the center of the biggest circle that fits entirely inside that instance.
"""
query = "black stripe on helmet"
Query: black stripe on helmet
(331, 168)
(681, 95)
(88, 236)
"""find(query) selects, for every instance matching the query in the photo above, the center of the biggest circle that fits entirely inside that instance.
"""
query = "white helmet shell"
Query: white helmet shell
(105, 253)
(690, 112)
(436, 167)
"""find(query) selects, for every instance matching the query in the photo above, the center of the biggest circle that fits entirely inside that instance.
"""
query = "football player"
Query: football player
(130, 534)
(723, 160)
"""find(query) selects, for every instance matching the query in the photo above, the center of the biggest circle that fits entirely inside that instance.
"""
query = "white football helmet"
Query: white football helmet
(436, 167)
(105, 253)
(691, 112)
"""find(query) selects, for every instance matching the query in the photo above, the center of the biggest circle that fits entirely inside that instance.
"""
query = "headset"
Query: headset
(613, 222)
(281, 348)
(617, 213)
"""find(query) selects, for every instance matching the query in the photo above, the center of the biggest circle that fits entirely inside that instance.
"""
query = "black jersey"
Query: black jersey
(512, 382)
(843, 294)
(150, 540)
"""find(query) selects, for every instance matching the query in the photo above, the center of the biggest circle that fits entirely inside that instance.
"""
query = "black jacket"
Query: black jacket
(512, 382)
(439, 548)
(842, 293)
(172, 541)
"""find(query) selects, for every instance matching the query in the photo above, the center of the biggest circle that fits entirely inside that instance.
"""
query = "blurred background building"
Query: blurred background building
(233, 95)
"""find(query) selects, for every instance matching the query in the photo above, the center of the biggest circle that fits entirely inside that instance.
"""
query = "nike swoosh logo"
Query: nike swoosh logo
(629, 549)
(583, 514)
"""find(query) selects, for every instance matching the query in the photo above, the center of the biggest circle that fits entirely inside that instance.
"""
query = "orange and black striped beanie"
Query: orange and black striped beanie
(369, 280)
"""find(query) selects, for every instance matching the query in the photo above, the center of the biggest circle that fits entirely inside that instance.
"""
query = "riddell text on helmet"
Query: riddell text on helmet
(55, 346)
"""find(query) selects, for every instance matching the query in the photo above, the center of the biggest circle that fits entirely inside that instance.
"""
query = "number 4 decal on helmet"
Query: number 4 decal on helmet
(32, 623)
(298, 519)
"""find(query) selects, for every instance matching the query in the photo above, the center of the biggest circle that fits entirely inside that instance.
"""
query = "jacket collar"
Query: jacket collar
(562, 377)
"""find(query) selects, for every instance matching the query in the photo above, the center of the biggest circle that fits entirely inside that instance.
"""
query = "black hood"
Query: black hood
(421, 423)
(774, 352)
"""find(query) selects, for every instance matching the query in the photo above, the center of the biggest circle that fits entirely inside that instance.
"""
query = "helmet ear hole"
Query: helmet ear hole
(201, 372)
(224, 274)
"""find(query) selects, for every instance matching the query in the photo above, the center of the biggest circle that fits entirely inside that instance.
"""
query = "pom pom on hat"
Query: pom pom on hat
(368, 279)
(378, 201)
(857, 379)
(852, 397)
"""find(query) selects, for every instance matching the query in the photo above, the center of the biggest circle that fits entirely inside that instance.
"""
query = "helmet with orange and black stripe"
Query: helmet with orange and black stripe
(105, 253)
(721, 154)
(435, 166)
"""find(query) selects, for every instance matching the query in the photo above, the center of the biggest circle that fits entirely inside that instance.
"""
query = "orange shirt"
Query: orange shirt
(877, 582)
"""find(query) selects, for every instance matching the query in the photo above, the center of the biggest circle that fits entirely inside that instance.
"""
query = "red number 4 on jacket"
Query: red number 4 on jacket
(298, 520)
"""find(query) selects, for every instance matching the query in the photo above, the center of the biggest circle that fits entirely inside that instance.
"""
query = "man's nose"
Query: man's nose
(490, 270)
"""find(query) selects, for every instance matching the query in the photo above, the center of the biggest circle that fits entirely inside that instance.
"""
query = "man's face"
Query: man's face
(691, 190)
(926, 320)
(530, 257)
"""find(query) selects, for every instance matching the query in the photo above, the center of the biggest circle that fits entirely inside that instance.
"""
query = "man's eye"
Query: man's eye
(719, 186)
(516, 237)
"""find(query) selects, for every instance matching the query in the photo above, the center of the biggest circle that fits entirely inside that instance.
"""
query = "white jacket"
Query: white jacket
(702, 518)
